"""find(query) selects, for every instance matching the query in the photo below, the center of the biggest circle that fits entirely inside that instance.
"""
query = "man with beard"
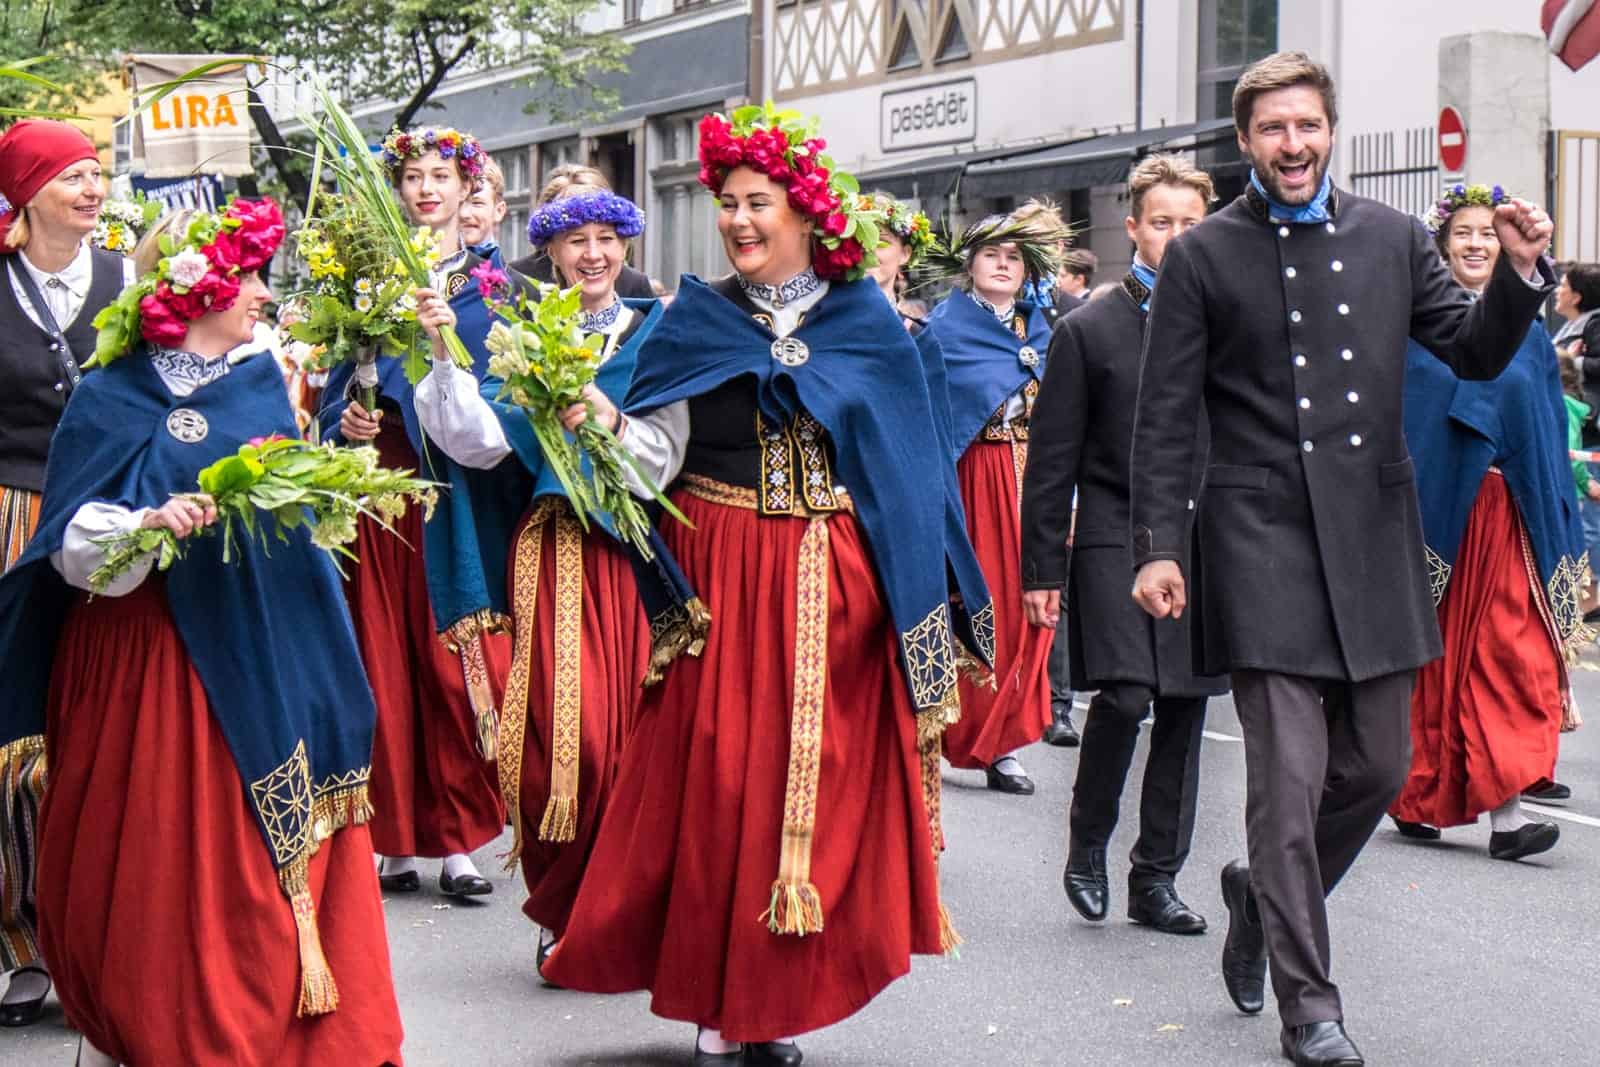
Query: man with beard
(1082, 427)
(1286, 316)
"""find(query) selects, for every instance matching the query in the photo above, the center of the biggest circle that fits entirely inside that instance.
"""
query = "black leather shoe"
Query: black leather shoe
(1244, 953)
(1545, 791)
(1017, 784)
(1319, 1045)
(1061, 733)
(1417, 831)
(773, 1054)
(25, 1012)
(1087, 886)
(1528, 840)
(545, 949)
(467, 885)
(712, 1059)
(404, 882)
(1157, 905)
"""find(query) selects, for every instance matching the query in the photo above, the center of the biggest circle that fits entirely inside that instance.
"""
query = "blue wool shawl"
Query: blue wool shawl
(865, 381)
(268, 633)
(1456, 430)
(464, 544)
(980, 356)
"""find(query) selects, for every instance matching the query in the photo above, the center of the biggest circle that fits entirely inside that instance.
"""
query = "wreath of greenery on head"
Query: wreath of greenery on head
(911, 226)
(1036, 229)
(1457, 197)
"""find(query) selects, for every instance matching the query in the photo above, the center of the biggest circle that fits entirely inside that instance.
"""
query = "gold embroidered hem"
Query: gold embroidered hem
(560, 822)
(20, 750)
(471, 627)
(298, 818)
(796, 906)
(930, 661)
(738, 496)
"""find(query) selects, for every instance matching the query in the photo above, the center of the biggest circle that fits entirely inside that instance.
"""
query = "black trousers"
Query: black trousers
(1323, 762)
(1060, 667)
(1171, 778)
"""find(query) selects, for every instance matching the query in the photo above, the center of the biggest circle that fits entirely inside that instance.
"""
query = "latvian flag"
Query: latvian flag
(1573, 27)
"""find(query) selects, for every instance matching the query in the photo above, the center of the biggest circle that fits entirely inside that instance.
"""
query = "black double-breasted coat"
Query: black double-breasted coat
(1309, 556)
(1080, 437)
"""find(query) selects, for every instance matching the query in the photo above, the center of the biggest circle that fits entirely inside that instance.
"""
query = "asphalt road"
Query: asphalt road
(1444, 955)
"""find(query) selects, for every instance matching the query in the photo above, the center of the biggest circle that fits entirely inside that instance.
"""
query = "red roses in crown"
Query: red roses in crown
(784, 146)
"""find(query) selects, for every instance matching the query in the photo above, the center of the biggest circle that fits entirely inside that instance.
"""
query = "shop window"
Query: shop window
(1233, 34)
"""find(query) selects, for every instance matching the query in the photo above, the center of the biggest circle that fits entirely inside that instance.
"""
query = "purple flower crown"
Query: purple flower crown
(570, 212)
(450, 143)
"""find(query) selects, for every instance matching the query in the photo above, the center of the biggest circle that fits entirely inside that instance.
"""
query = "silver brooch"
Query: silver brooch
(1028, 357)
(790, 351)
(188, 425)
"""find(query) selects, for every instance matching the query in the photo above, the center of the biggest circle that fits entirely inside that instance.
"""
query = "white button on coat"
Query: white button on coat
(1355, 440)
(1283, 231)
(1305, 403)
(1347, 355)
(1338, 265)
(1299, 361)
(1289, 272)
(1353, 397)
(1294, 316)
(1344, 309)
(1307, 445)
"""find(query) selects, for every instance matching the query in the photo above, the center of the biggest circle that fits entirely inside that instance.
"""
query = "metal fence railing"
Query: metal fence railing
(1397, 167)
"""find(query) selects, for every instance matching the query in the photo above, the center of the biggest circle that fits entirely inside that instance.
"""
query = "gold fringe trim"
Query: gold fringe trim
(480, 695)
(560, 822)
(950, 941)
(331, 812)
(525, 632)
(973, 668)
(471, 627)
(21, 750)
(676, 632)
(796, 905)
(928, 752)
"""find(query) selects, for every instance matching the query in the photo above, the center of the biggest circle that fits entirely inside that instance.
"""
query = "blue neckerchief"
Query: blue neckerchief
(1147, 278)
(489, 250)
(864, 379)
(268, 632)
(1315, 211)
(463, 549)
(1455, 430)
(983, 359)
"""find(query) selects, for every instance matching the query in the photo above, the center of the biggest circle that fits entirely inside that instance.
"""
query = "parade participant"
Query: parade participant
(1506, 559)
(582, 643)
(483, 211)
(204, 820)
(788, 404)
(1285, 315)
(902, 243)
(428, 613)
(57, 284)
(631, 284)
(994, 348)
(1081, 431)
(1075, 279)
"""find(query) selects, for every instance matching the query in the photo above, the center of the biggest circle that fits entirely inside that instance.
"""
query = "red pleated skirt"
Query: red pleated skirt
(433, 794)
(168, 936)
(613, 654)
(689, 850)
(1486, 718)
(996, 721)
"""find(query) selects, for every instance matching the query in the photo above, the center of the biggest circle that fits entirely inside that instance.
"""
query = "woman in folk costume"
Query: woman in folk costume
(429, 606)
(1505, 545)
(768, 862)
(994, 346)
(582, 642)
(204, 817)
(54, 285)
(903, 240)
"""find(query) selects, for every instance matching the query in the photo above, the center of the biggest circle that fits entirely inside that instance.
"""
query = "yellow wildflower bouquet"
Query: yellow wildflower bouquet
(359, 302)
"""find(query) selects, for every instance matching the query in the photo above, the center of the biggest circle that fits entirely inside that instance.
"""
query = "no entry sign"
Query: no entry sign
(1452, 141)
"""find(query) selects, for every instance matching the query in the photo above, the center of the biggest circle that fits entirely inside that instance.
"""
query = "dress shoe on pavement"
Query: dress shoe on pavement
(1157, 905)
(1244, 953)
(717, 1059)
(772, 1054)
(1016, 784)
(1061, 733)
(1319, 1045)
(1545, 792)
(404, 882)
(24, 1010)
(1527, 840)
(465, 885)
(1087, 886)
(1417, 831)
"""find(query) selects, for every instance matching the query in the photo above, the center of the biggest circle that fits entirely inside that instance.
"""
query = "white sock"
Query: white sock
(396, 864)
(459, 865)
(546, 937)
(1008, 764)
(709, 1040)
(1508, 816)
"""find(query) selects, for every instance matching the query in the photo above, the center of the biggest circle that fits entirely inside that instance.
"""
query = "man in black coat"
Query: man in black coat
(1285, 316)
(1080, 437)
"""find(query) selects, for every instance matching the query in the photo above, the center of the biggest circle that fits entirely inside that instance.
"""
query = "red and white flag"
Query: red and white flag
(1573, 27)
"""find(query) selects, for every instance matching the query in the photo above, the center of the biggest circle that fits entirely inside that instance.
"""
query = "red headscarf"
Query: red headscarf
(32, 153)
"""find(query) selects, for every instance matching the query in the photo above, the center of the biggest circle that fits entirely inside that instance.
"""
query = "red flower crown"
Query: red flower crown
(784, 146)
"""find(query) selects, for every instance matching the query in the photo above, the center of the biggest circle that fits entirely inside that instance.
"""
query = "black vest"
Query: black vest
(35, 377)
